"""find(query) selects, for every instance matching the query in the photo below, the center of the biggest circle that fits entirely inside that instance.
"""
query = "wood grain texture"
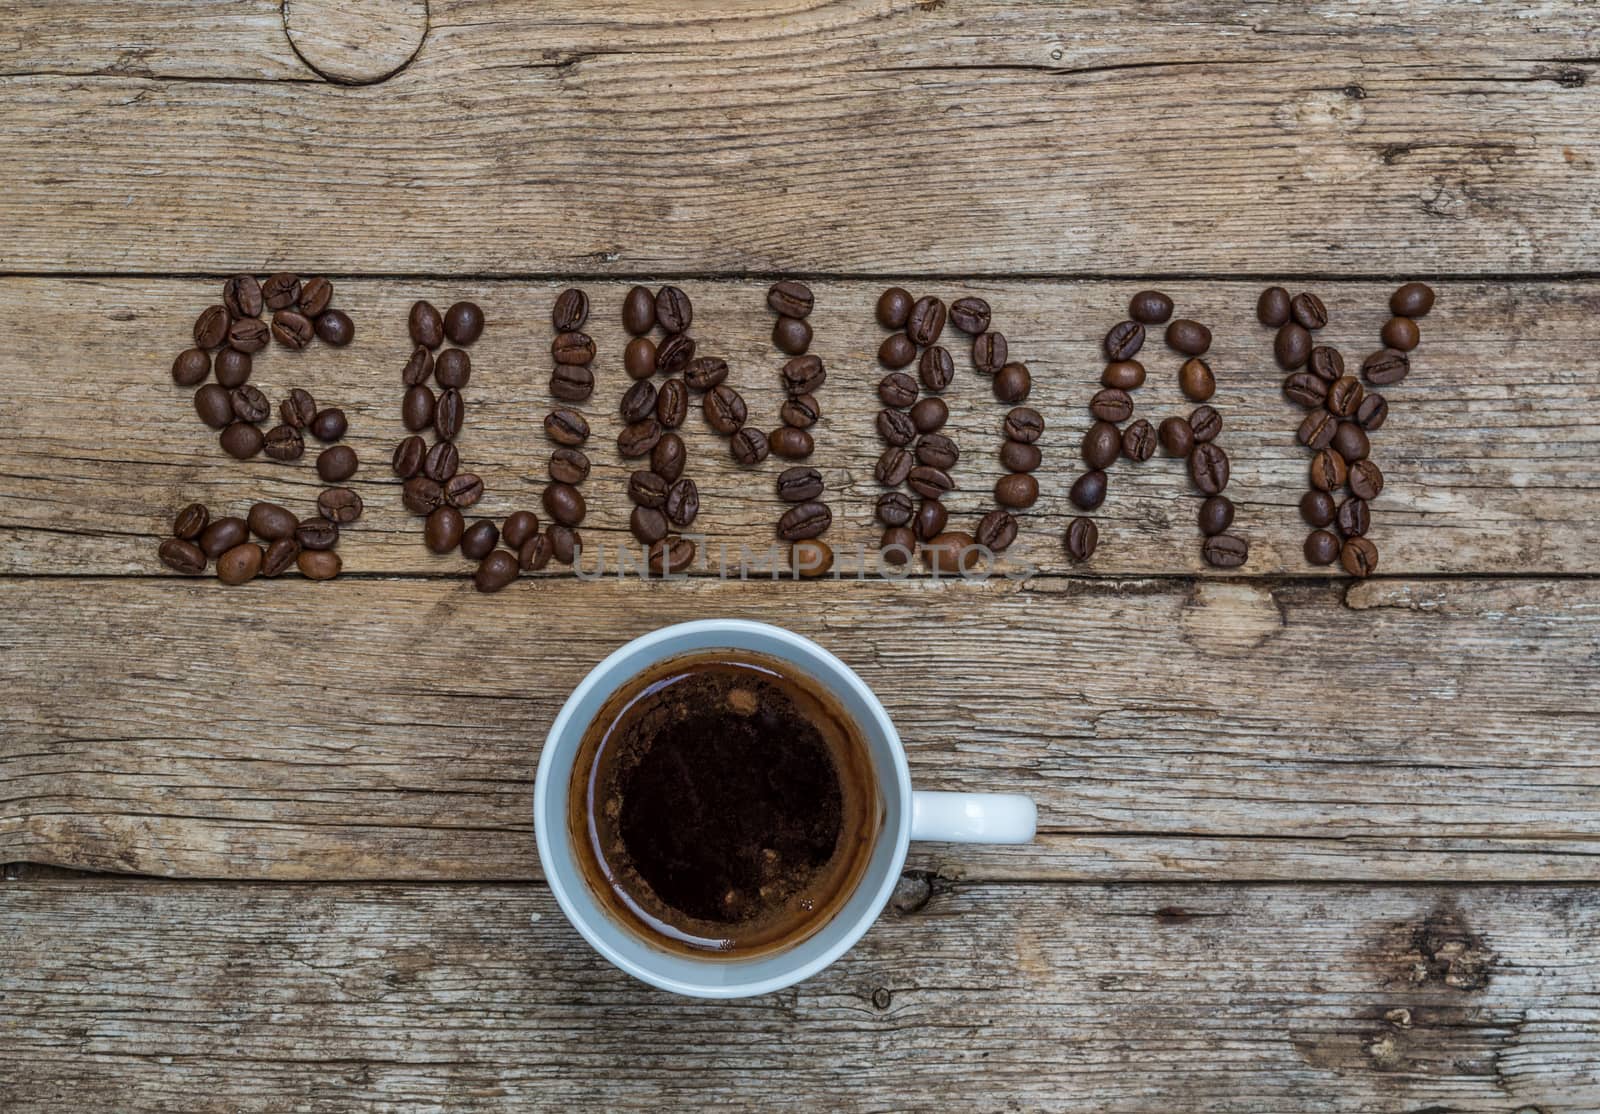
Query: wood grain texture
(391, 728)
(1492, 453)
(135, 996)
(858, 136)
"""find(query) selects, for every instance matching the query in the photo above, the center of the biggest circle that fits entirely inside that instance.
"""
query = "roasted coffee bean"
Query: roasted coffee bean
(420, 496)
(573, 349)
(804, 520)
(639, 401)
(749, 446)
(789, 298)
(340, 504)
(1401, 334)
(222, 535)
(951, 553)
(191, 367)
(639, 358)
(283, 443)
(240, 565)
(182, 556)
(442, 462)
(1306, 389)
(1321, 548)
(705, 373)
(1308, 311)
(897, 389)
(803, 375)
(442, 531)
(674, 310)
(1216, 515)
(931, 518)
(1344, 396)
(1366, 480)
(242, 440)
(1150, 307)
(1373, 411)
(335, 328)
(570, 311)
(1350, 441)
(1273, 307)
(936, 369)
(565, 543)
(791, 335)
(894, 308)
(996, 531)
(188, 523)
(280, 556)
(639, 311)
(1208, 468)
(930, 415)
(1328, 470)
(648, 524)
(647, 489)
(802, 411)
(1205, 423)
(937, 451)
(269, 522)
(242, 296)
(1291, 347)
(989, 351)
(418, 368)
(1101, 444)
(448, 413)
(668, 457)
(1354, 517)
(318, 564)
(895, 508)
(683, 502)
(930, 483)
(1326, 363)
(896, 351)
(280, 291)
(249, 404)
(811, 558)
(569, 466)
(479, 539)
(291, 329)
(409, 456)
(1316, 507)
(638, 438)
(1177, 439)
(1413, 300)
(463, 489)
(671, 403)
(893, 467)
(535, 553)
(799, 484)
(1125, 375)
(1088, 490)
(1024, 424)
(971, 316)
(1012, 383)
(1081, 538)
(1196, 381)
(724, 409)
(337, 464)
(427, 327)
(248, 335)
(1225, 551)
(896, 427)
(897, 545)
(1123, 340)
(1017, 490)
(496, 571)
(298, 409)
(1317, 430)
(1111, 405)
(926, 321)
(1385, 367)
(675, 353)
(316, 294)
(790, 443)
(1359, 557)
(453, 368)
(1189, 337)
(329, 424)
(1139, 441)
(670, 556)
(211, 327)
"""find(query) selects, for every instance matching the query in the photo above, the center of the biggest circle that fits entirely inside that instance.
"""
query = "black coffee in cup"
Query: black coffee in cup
(723, 803)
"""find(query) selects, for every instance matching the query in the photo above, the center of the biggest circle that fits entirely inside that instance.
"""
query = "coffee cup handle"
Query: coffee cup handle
(973, 817)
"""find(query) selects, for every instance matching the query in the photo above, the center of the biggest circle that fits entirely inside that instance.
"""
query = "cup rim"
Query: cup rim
(601, 674)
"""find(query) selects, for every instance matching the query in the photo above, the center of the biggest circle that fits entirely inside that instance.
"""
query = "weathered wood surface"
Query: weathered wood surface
(143, 995)
(860, 136)
(390, 728)
(1492, 453)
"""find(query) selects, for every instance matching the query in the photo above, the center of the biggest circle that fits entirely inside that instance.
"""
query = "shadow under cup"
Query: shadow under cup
(713, 976)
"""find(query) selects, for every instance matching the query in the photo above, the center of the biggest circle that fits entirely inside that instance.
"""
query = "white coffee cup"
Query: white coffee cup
(908, 815)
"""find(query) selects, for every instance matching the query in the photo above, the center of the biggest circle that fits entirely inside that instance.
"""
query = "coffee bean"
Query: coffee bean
(749, 446)
(639, 358)
(570, 311)
(895, 508)
(269, 522)
(996, 531)
(639, 311)
(442, 531)
(188, 523)
(1016, 490)
(1012, 383)
(648, 524)
(937, 451)
(340, 504)
(791, 335)
(1101, 444)
(1081, 538)
(565, 543)
(893, 467)
(420, 496)
(335, 328)
(989, 352)
(666, 458)
(804, 520)
(1111, 405)
(799, 484)
(1123, 340)
(670, 555)
(318, 564)
(442, 462)
(427, 327)
(1306, 389)
(1344, 396)
(671, 403)
(569, 466)
(1024, 424)
(242, 440)
(1400, 333)
(951, 553)
(418, 368)
(280, 291)
(897, 545)
(535, 552)
(1208, 468)
(897, 389)
(894, 308)
(1308, 311)
(1272, 308)
(1414, 299)
(291, 329)
(479, 539)
(647, 489)
(1350, 441)
(1088, 490)
(1326, 363)
(930, 415)
(573, 349)
(191, 367)
(316, 294)
(1189, 337)
(638, 438)
(896, 427)
(182, 556)
(1139, 441)
(463, 489)
(790, 443)
(1385, 367)
(705, 373)
(1327, 470)
(1373, 411)
(674, 310)
(1317, 430)
(926, 321)
(811, 558)
(1177, 439)
(1216, 515)
(249, 404)
(1205, 423)
(896, 351)
(409, 456)
(240, 565)
(724, 409)
(1125, 375)
(1354, 517)
(971, 316)
(211, 327)
(453, 368)
(1359, 557)
(298, 409)
(1291, 347)
(931, 518)
(1225, 551)
(803, 375)
(790, 299)
(683, 502)
(449, 411)
(496, 571)
(329, 424)
(337, 464)
(930, 483)
(222, 535)
(280, 555)
(936, 369)
(1150, 307)
(242, 296)
(675, 353)
(639, 400)
(248, 335)
(1321, 548)
(1316, 507)
(1366, 480)
(802, 411)
(1196, 381)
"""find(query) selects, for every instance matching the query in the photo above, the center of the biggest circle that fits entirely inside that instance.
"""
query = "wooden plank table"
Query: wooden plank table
(1307, 843)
